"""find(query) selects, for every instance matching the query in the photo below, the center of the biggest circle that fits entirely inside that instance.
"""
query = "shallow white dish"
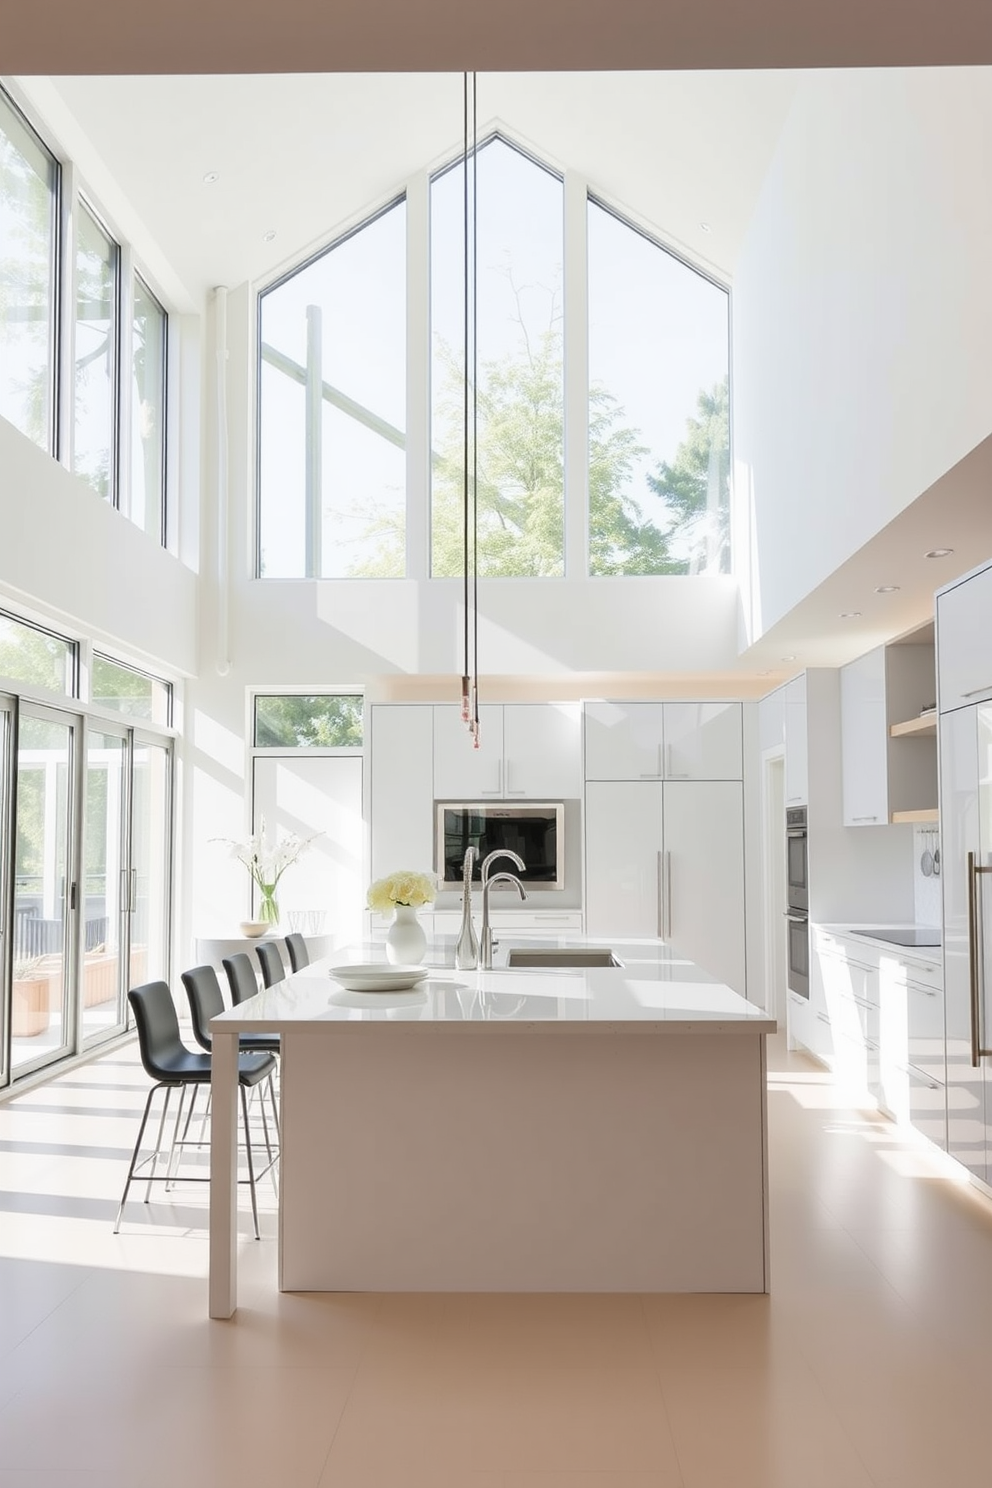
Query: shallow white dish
(372, 976)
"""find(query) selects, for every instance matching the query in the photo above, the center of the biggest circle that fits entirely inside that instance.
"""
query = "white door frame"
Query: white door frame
(773, 880)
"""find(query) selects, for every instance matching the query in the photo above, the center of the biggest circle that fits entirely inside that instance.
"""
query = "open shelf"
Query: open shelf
(927, 814)
(922, 726)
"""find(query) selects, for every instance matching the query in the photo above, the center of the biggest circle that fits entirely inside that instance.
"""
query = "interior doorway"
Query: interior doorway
(774, 858)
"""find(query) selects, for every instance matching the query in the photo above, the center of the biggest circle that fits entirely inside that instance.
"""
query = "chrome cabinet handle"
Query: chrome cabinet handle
(668, 895)
(661, 896)
(976, 690)
(974, 970)
(865, 818)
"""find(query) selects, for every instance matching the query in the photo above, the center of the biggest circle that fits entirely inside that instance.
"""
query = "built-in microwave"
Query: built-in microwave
(535, 832)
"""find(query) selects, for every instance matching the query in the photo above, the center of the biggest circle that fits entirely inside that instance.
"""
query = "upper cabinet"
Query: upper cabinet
(796, 752)
(888, 753)
(964, 650)
(663, 741)
(529, 751)
(400, 756)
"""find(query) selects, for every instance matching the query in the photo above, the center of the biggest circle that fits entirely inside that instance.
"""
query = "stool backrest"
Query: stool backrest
(158, 1027)
(271, 963)
(241, 977)
(299, 956)
(205, 1001)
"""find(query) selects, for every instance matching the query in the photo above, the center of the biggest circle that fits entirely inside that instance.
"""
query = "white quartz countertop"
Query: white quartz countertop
(654, 990)
(931, 953)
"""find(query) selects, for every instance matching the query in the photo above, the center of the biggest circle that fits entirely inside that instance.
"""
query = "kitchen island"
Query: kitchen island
(584, 1129)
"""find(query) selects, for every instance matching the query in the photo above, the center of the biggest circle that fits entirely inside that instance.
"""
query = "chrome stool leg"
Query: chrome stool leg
(251, 1166)
(158, 1145)
(134, 1157)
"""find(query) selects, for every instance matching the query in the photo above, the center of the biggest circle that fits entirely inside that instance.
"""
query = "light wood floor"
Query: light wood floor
(870, 1363)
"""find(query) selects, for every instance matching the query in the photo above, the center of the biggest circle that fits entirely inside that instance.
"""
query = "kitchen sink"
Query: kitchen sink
(553, 956)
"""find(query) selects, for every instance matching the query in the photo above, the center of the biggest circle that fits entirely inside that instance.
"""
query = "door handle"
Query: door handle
(661, 895)
(668, 896)
(133, 896)
(974, 969)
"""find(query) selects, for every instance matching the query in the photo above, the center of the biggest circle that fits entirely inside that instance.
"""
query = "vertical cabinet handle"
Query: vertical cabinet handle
(975, 870)
(133, 896)
(661, 895)
(123, 906)
(668, 896)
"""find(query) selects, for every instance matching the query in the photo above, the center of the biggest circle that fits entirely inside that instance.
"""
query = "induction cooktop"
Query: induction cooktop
(917, 936)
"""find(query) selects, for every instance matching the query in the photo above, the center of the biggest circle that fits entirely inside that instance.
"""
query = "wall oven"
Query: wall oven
(535, 832)
(797, 914)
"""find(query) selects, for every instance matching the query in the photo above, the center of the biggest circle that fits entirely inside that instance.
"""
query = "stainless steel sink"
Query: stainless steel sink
(553, 956)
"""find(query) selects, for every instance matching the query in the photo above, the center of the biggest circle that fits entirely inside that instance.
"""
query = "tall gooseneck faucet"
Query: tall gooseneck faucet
(467, 947)
(487, 934)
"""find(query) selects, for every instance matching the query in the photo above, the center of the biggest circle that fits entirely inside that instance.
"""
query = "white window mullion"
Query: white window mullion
(418, 381)
(575, 312)
(65, 378)
(125, 379)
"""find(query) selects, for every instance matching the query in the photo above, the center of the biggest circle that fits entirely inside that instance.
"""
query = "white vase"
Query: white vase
(406, 943)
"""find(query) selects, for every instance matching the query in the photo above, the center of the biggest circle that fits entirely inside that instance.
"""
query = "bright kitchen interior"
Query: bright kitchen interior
(761, 738)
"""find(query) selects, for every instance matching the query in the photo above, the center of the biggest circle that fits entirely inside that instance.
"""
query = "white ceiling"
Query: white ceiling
(303, 155)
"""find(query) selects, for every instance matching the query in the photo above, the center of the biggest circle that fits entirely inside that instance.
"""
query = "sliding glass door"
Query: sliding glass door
(44, 891)
(126, 877)
(6, 868)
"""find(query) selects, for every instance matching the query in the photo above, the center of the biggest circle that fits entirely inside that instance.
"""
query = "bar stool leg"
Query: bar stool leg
(251, 1165)
(158, 1144)
(134, 1157)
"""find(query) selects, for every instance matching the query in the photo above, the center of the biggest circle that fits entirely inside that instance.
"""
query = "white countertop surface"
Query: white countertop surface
(654, 989)
(933, 954)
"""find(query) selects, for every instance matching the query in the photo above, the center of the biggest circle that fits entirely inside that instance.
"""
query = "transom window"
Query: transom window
(296, 721)
(342, 481)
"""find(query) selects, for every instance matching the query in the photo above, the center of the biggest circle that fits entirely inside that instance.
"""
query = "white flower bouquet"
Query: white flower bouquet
(406, 888)
(267, 862)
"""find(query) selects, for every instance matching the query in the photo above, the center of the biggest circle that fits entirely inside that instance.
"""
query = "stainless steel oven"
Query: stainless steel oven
(797, 880)
(797, 860)
(797, 940)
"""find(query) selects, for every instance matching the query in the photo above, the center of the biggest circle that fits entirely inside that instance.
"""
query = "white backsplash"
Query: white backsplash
(926, 888)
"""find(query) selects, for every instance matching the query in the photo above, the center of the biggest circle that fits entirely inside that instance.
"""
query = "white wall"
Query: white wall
(65, 551)
(861, 318)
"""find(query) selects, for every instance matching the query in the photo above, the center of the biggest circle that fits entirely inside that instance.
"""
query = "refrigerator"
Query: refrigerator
(966, 876)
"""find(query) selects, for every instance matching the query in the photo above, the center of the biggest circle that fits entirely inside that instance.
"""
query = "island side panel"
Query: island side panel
(530, 1159)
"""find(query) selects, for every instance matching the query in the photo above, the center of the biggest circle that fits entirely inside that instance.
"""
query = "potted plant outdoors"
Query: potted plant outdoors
(31, 1011)
(266, 863)
(403, 893)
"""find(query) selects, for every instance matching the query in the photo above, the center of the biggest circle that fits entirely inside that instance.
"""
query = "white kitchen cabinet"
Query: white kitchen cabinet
(401, 794)
(703, 877)
(884, 775)
(668, 859)
(624, 741)
(703, 741)
(529, 751)
(624, 858)
(461, 772)
(542, 751)
(771, 721)
(796, 766)
(659, 741)
(964, 655)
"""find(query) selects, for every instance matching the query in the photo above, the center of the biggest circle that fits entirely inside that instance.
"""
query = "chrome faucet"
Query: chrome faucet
(467, 948)
(487, 934)
(500, 852)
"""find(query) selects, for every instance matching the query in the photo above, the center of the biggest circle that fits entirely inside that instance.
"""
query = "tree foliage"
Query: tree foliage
(695, 487)
(334, 721)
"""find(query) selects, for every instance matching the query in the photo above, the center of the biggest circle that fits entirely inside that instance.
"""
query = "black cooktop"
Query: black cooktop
(921, 936)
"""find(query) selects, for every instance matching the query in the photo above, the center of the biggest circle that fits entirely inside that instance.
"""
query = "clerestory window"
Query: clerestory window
(590, 315)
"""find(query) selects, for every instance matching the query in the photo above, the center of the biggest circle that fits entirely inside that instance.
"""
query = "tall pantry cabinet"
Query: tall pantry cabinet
(664, 828)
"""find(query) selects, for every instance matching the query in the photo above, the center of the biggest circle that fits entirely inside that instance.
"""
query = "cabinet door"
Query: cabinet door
(624, 741)
(864, 741)
(959, 832)
(542, 751)
(964, 624)
(623, 858)
(703, 872)
(462, 773)
(796, 768)
(401, 787)
(703, 741)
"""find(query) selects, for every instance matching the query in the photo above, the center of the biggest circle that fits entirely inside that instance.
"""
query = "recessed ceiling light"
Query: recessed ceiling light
(939, 553)
(705, 227)
(886, 588)
(211, 176)
(849, 614)
(268, 236)
(789, 658)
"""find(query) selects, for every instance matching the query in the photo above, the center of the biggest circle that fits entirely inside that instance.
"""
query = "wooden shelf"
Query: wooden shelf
(927, 814)
(921, 726)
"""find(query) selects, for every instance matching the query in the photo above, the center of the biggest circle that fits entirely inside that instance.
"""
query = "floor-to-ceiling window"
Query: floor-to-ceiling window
(86, 810)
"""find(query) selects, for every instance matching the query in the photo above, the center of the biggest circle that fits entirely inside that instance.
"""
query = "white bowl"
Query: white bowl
(254, 929)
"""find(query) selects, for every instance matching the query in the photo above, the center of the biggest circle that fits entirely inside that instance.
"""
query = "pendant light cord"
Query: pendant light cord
(475, 402)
